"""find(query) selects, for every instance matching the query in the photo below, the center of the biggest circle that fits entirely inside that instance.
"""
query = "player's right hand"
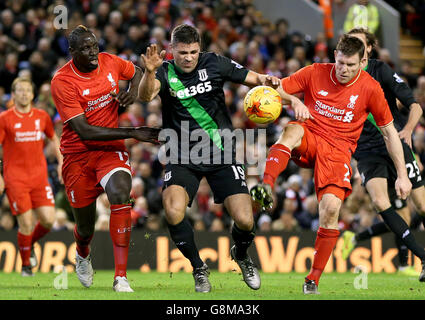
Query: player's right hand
(301, 111)
(147, 134)
(403, 186)
(152, 60)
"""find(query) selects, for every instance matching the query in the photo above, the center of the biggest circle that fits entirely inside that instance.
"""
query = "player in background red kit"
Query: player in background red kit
(87, 97)
(337, 100)
(22, 133)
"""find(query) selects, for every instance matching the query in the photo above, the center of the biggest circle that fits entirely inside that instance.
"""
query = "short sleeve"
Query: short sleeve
(125, 68)
(231, 70)
(2, 130)
(378, 105)
(49, 129)
(66, 100)
(298, 81)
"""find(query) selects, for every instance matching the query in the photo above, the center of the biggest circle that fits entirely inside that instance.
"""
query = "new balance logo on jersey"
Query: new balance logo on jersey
(37, 124)
(203, 74)
(323, 93)
(111, 80)
(86, 92)
(237, 64)
(192, 90)
(18, 125)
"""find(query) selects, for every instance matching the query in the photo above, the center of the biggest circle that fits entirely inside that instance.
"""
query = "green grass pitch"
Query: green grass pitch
(226, 286)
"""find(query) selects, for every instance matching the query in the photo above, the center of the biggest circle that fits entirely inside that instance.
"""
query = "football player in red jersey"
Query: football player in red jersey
(22, 132)
(337, 100)
(87, 96)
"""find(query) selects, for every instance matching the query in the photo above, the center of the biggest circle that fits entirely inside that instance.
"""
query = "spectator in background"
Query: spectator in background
(362, 14)
(9, 71)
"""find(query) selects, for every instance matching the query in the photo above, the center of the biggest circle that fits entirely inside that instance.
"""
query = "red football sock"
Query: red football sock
(276, 162)
(24, 244)
(39, 232)
(325, 243)
(120, 231)
(83, 244)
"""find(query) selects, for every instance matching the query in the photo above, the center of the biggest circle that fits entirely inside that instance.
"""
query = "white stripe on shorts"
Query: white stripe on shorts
(107, 176)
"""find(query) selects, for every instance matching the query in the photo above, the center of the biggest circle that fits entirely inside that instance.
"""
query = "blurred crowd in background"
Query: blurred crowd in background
(31, 46)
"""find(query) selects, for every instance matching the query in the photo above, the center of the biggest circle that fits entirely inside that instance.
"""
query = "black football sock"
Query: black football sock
(374, 230)
(401, 229)
(183, 237)
(403, 252)
(243, 240)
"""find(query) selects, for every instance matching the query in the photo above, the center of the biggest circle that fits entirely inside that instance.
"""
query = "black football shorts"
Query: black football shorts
(224, 181)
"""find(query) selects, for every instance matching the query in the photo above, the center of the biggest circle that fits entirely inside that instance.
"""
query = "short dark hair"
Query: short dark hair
(349, 46)
(185, 33)
(76, 34)
(370, 37)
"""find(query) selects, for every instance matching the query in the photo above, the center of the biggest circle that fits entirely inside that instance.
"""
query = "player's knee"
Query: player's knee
(174, 213)
(329, 212)
(244, 222)
(119, 197)
(291, 136)
(85, 231)
(381, 203)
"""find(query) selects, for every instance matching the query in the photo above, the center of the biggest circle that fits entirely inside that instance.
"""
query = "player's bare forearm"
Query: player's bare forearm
(148, 87)
(395, 149)
(88, 132)
(255, 79)
(286, 97)
(415, 115)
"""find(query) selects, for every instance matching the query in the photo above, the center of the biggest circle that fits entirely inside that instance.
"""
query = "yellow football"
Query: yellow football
(262, 104)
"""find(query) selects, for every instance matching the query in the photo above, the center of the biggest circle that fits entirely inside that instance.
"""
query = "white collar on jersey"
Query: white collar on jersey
(348, 85)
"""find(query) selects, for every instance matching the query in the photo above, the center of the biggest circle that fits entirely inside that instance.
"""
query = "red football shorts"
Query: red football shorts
(25, 197)
(332, 170)
(85, 175)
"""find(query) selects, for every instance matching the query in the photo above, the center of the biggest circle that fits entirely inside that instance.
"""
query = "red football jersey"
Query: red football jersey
(22, 137)
(77, 93)
(339, 110)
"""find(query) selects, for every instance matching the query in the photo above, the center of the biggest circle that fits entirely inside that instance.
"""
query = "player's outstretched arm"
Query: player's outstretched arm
(403, 185)
(255, 79)
(149, 86)
(300, 109)
(88, 132)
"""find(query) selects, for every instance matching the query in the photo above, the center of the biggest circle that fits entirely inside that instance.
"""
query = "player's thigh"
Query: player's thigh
(180, 187)
(19, 198)
(418, 197)
(80, 180)
(292, 135)
(378, 191)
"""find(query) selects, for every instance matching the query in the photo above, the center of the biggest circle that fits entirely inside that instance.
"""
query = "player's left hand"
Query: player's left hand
(125, 98)
(406, 135)
(270, 81)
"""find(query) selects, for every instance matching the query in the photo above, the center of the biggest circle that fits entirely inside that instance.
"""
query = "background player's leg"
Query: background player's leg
(418, 197)
(176, 200)
(377, 188)
(327, 235)
(25, 236)
(118, 190)
(46, 218)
